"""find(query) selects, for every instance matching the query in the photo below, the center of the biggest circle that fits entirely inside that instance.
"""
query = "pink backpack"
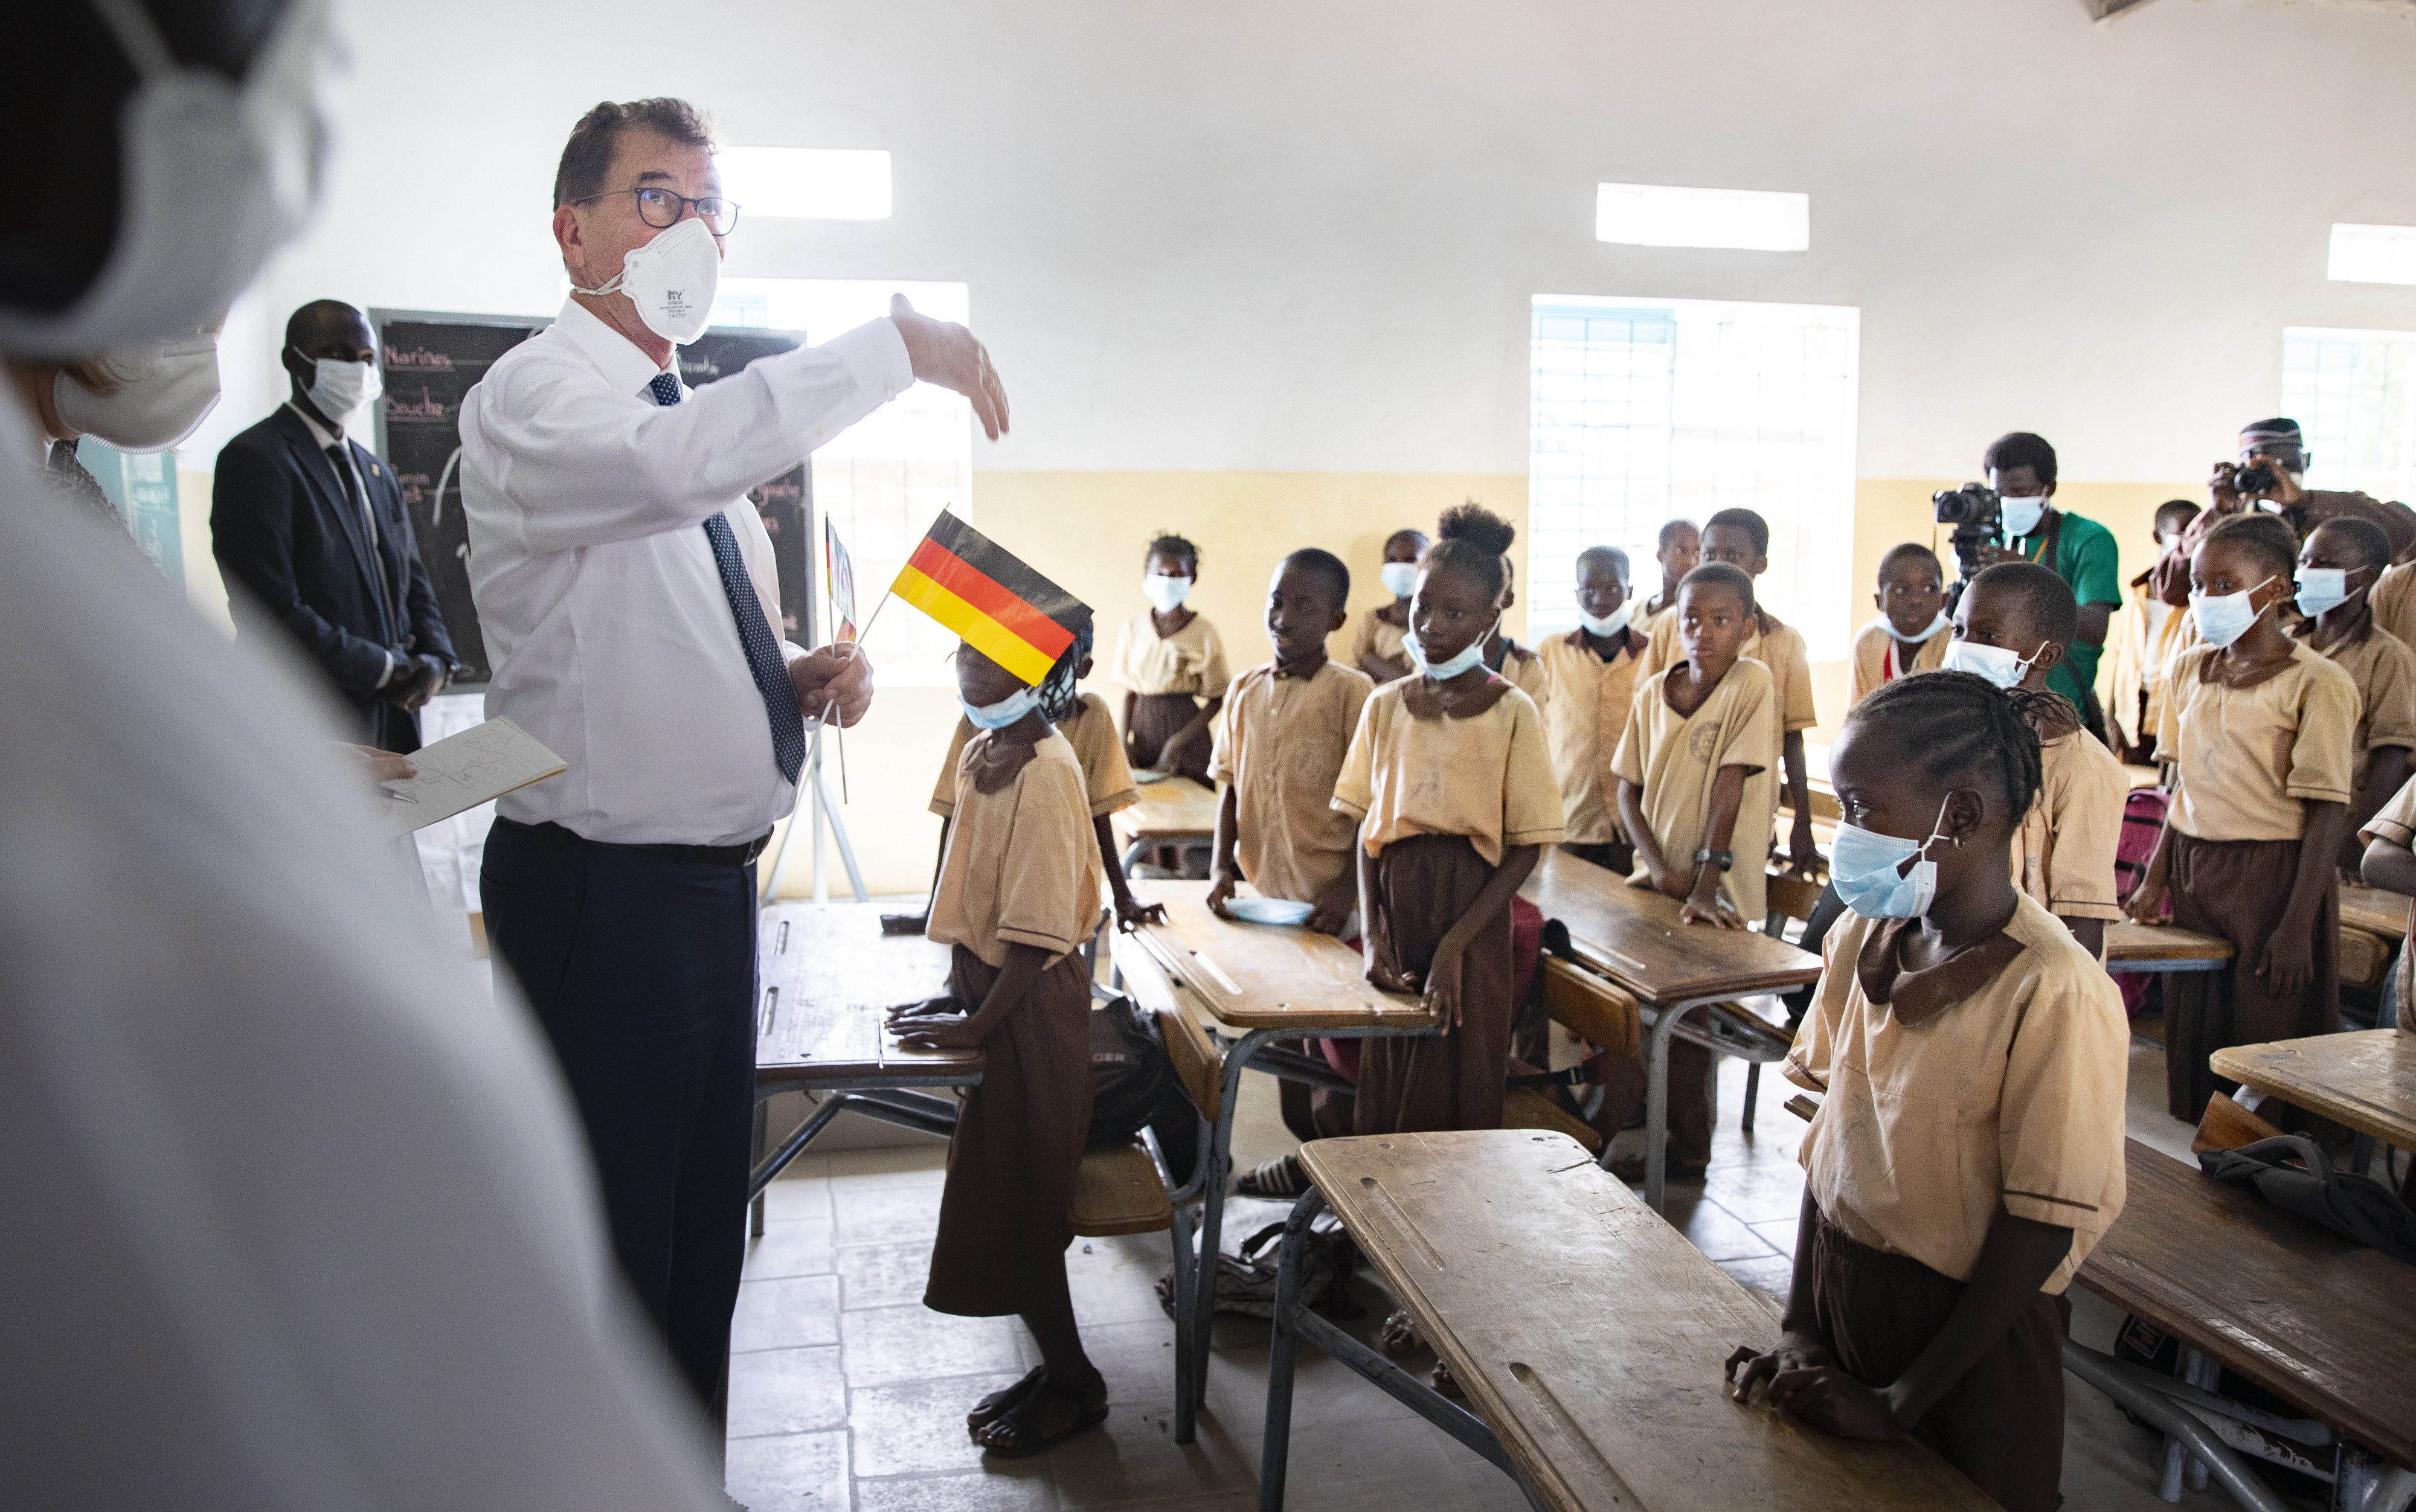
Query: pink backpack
(2143, 819)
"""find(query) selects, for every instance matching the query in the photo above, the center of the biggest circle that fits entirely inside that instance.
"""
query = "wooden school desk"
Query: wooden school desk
(1270, 983)
(2160, 948)
(828, 977)
(1175, 812)
(1591, 1340)
(2365, 1079)
(1632, 936)
(2325, 1323)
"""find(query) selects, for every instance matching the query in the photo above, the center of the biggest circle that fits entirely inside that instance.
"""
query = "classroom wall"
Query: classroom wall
(1260, 272)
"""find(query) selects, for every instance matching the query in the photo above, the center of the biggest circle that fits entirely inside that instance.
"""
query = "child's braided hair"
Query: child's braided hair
(1474, 539)
(1057, 691)
(1954, 725)
(1167, 544)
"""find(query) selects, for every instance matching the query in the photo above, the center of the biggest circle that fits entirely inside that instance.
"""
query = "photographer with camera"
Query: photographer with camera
(2273, 458)
(2013, 518)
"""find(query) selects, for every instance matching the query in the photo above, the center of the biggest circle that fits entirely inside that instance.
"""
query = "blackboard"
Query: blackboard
(429, 360)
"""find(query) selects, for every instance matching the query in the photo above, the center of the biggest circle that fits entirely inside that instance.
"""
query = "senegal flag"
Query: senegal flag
(985, 593)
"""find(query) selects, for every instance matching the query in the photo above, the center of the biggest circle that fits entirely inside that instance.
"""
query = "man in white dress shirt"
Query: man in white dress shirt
(628, 592)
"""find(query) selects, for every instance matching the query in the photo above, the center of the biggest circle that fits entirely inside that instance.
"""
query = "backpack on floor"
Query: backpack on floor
(1246, 1281)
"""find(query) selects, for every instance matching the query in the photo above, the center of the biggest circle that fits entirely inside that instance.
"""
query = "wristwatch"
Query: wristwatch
(1724, 860)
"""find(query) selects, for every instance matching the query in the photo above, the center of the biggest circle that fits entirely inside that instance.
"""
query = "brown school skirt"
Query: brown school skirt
(2239, 890)
(1159, 717)
(1018, 1143)
(2002, 1424)
(1425, 885)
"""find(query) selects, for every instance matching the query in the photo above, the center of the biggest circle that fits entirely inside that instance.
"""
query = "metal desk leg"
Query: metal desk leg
(1217, 1164)
(2138, 1390)
(755, 1158)
(1275, 1450)
(1656, 1103)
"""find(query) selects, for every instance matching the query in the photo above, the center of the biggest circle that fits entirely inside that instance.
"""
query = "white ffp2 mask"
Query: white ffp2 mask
(671, 279)
(168, 388)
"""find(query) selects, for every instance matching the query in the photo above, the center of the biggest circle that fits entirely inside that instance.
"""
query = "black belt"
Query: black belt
(742, 854)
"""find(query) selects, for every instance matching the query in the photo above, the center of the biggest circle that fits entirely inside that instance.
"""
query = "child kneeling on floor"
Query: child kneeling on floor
(1018, 894)
(1968, 1153)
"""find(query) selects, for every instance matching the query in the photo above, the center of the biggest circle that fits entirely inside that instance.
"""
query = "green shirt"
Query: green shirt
(2087, 558)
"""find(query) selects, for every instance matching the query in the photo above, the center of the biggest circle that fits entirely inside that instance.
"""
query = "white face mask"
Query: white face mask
(170, 386)
(1612, 625)
(1398, 577)
(1924, 637)
(339, 389)
(2000, 665)
(671, 279)
(2021, 515)
(213, 176)
(1168, 594)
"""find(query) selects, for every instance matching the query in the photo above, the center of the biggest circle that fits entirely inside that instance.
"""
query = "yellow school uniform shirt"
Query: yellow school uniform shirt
(1583, 720)
(1525, 668)
(1878, 659)
(1489, 777)
(1022, 866)
(1091, 730)
(2384, 670)
(2013, 1095)
(1280, 741)
(1673, 758)
(2141, 641)
(1191, 660)
(1779, 647)
(2393, 601)
(1380, 637)
(2249, 757)
(2063, 853)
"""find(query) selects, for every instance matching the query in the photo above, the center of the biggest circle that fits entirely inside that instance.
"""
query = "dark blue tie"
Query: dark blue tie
(763, 660)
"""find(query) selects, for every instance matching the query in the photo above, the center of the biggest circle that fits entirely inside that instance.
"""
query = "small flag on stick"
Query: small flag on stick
(985, 593)
(841, 571)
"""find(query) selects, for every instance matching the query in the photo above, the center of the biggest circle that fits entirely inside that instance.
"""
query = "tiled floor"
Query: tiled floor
(847, 1393)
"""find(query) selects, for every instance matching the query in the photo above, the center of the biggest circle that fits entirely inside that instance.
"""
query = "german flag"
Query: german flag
(985, 593)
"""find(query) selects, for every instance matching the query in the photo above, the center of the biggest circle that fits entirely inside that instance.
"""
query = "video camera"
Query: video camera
(1972, 511)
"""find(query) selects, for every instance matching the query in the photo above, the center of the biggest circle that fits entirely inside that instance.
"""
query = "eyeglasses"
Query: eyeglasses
(660, 207)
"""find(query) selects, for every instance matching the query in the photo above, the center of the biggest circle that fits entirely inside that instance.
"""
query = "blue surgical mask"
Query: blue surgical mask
(2021, 516)
(1997, 664)
(1612, 626)
(1398, 577)
(2224, 617)
(1004, 713)
(1862, 868)
(1470, 655)
(2321, 589)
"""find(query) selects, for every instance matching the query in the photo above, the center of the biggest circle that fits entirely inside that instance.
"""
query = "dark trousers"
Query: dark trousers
(642, 969)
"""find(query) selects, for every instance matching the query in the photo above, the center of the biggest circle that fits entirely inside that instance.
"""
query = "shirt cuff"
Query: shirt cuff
(2074, 909)
(387, 676)
(2378, 828)
(876, 354)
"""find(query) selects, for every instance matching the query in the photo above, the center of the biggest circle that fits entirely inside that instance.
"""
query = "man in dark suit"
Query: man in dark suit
(313, 525)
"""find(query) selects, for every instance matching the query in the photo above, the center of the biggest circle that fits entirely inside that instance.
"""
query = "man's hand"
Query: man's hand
(2287, 963)
(1793, 1352)
(946, 354)
(2284, 492)
(1712, 910)
(416, 680)
(1334, 908)
(1803, 851)
(1670, 884)
(2222, 488)
(2147, 903)
(840, 673)
(383, 766)
(1131, 913)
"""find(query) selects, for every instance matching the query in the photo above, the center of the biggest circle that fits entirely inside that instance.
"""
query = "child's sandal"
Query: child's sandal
(999, 1403)
(1014, 1437)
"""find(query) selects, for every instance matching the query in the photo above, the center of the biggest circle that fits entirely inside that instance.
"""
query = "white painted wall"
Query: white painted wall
(1302, 236)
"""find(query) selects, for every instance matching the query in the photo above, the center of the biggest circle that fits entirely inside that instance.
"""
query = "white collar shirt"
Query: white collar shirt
(611, 637)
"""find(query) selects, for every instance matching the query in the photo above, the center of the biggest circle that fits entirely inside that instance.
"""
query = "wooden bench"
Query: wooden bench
(2375, 911)
(1118, 1190)
(2365, 1079)
(2324, 1323)
(1590, 1337)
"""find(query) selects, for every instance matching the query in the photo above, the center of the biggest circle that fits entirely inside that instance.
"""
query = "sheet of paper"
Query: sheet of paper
(462, 772)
